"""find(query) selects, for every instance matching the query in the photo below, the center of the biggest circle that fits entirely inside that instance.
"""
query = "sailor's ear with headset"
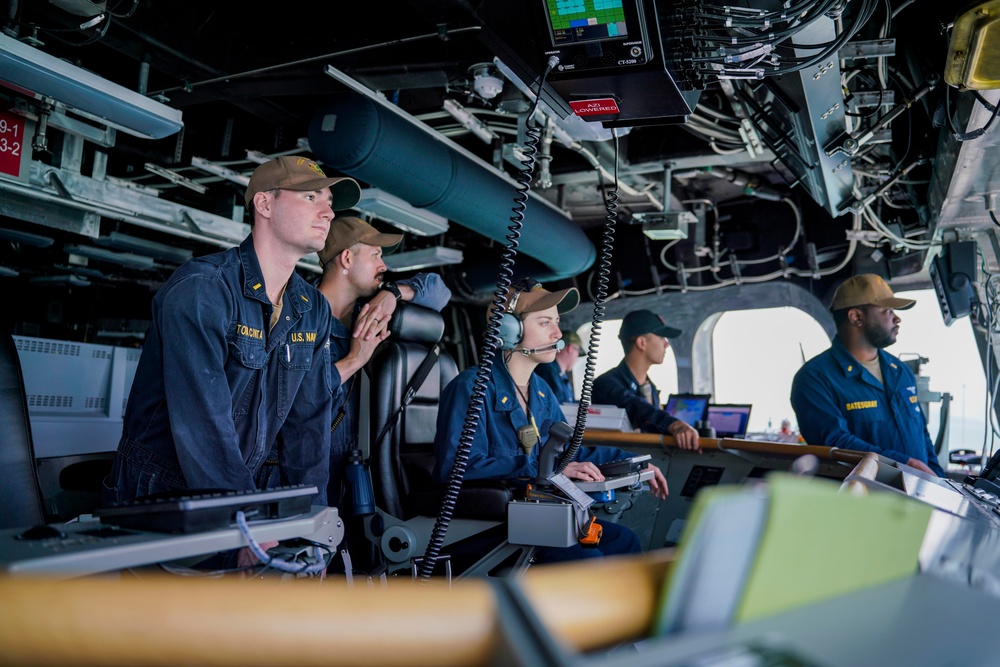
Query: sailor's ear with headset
(511, 325)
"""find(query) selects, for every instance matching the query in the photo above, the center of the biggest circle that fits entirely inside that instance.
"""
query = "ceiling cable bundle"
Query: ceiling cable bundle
(746, 43)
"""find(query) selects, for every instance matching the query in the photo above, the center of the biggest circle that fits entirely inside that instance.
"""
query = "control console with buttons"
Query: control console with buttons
(88, 546)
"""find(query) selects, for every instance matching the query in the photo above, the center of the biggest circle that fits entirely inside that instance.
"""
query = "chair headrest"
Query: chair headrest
(416, 324)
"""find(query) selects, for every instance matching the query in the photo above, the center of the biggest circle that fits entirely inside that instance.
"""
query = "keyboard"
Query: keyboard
(195, 511)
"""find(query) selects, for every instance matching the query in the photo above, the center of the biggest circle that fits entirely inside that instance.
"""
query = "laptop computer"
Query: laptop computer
(689, 408)
(730, 420)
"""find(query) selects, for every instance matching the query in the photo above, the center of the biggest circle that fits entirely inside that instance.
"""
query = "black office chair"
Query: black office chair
(402, 462)
(21, 501)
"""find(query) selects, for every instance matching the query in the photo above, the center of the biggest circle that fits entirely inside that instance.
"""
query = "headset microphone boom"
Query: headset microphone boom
(558, 345)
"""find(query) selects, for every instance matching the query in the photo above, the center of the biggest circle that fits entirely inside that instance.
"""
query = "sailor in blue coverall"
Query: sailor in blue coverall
(519, 410)
(237, 362)
(643, 335)
(362, 303)
(858, 396)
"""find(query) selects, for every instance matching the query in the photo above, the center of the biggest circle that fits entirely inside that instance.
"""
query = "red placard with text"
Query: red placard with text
(11, 143)
(595, 107)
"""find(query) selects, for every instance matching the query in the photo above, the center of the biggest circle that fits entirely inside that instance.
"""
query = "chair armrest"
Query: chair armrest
(478, 499)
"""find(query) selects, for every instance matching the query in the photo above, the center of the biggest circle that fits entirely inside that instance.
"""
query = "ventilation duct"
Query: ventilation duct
(360, 138)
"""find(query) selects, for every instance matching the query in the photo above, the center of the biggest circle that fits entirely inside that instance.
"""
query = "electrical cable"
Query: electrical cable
(491, 340)
(872, 81)
(186, 87)
(972, 134)
(267, 560)
(851, 249)
(990, 433)
(716, 264)
(863, 15)
(603, 273)
(901, 7)
(95, 37)
(767, 48)
(725, 151)
(128, 14)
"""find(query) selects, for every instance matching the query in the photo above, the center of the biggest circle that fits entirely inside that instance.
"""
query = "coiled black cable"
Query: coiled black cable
(974, 134)
(491, 339)
(603, 278)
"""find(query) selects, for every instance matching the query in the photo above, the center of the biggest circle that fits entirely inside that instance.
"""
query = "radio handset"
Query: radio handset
(559, 435)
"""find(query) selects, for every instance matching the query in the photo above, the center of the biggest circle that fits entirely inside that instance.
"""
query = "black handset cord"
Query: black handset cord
(603, 273)
(491, 339)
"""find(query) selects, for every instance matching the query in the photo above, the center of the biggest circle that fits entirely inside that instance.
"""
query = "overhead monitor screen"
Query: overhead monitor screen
(575, 21)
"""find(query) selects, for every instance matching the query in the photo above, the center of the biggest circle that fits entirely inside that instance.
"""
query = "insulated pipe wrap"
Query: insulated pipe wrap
(360, 138)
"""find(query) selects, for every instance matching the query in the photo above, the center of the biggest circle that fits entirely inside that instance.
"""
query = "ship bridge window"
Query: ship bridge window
(755, 356)
(756, 353)
(954, 366)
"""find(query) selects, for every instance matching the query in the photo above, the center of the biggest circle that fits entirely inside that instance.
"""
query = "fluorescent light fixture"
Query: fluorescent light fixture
(257, 157)
(28, 70)
(72, 280)
(176, 178)
(125, 259)
(301, 144)
(401, 213)
(412, 260)
(666, 225)
(119, 241)
(220, 170)
(26, 238)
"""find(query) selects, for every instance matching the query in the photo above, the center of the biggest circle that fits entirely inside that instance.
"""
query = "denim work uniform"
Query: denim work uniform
(497, 454)
(619, 387)
(215, 392)
(560, 382)
(838, 403)
(428, 291)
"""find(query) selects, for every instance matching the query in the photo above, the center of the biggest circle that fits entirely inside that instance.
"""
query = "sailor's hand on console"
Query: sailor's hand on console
(658, 485)
(373, 318)
(685, 435)
(584, 471)
(920, 465)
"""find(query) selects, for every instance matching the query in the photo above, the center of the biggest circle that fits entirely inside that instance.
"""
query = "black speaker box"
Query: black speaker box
(953, 274)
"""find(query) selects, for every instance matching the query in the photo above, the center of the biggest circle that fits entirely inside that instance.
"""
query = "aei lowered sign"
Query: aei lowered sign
(602, 106)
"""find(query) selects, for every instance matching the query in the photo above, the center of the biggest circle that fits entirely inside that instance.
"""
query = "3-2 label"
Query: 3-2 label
(11, 143)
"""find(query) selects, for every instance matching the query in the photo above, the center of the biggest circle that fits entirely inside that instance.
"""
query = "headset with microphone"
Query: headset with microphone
(558, 345)
(512, 326)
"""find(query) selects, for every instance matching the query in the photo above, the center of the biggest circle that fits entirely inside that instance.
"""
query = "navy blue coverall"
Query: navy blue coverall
(838, 403)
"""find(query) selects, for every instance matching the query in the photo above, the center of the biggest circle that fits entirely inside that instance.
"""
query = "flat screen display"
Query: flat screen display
(729, 421)
(689, 408)
(574, 21)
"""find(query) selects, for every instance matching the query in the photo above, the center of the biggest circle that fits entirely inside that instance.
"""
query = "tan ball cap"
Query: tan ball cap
(867, 289)
(291, 172)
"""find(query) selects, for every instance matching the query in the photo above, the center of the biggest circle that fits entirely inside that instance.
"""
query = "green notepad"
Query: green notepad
(753, 552)
(819, 543)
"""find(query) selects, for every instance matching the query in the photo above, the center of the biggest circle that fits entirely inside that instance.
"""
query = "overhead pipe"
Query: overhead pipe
(360, 138)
